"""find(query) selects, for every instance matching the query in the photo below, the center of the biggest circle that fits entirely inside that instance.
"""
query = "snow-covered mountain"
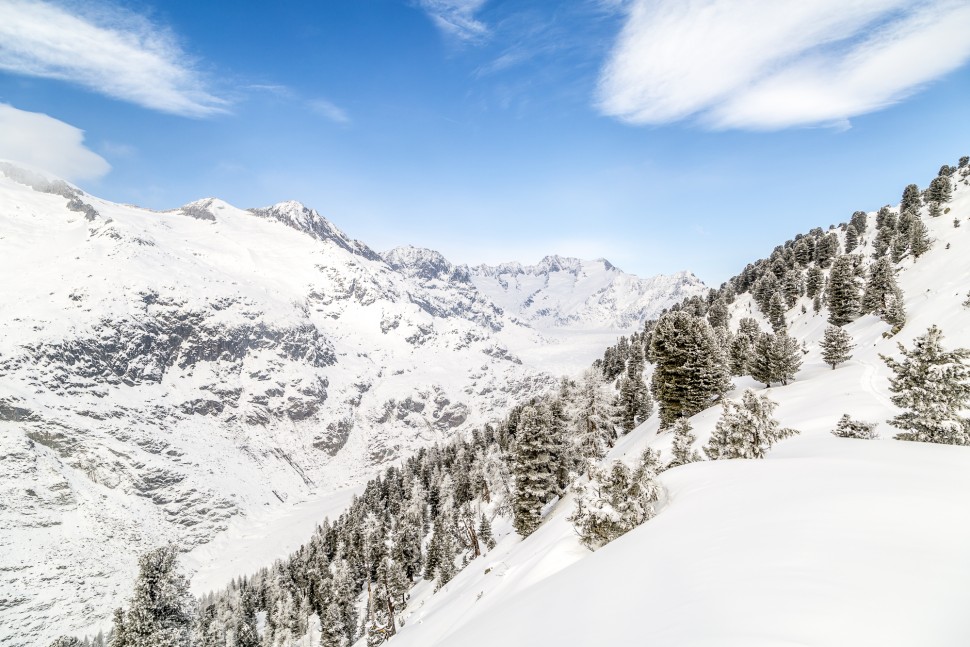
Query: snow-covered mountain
(164, 375)
(571, 293)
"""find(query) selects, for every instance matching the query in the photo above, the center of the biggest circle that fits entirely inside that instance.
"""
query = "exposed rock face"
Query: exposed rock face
(161, 373)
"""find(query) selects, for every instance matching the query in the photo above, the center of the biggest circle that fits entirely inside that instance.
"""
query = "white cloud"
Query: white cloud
(328, 109)
(456, 18)
(45, 143)
(112, 52)
(768, 64)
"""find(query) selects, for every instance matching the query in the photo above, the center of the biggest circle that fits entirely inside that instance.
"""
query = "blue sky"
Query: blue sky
(660, 134)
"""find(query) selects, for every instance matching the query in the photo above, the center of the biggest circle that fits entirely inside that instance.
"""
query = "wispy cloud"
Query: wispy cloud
(764, 64)
(328, 109)
(456, 18)
(107, 50)
(45, 143)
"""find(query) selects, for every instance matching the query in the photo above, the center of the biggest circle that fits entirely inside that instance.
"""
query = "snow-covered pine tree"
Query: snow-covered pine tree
(844, 300)
(746, 429)
(615, 501)
(920, 241)
(690, 372)
(333, 632)
(760, 362)
(860, 222)
(485, 532)
(593, 429)
(160, 612)
(786, 358)
(849, 428)
(814, 281)
(940, 189)
(794, 287)
(683, 445)
(827, 249)
(911, 200)
(776, 312)
(881, 283)
(635, 403)
(739, 352)
(836, 346)
(718, 315)
(67, 641)
(117, 634)
(535, 479)
(932, 385)
(851, 238)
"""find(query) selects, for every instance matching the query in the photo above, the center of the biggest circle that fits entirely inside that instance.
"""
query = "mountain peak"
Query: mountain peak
(423, 263)
(302, 218)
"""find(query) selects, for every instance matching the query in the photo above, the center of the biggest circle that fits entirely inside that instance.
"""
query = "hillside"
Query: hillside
(176, 376)
(829, 541)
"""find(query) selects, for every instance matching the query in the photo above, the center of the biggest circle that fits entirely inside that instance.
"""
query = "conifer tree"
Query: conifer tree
(594, 432)
(932, 385)
(776, 312)
(739, 354)
(446, 570)
(746, 429)
(827, 249)
(741, 347)
(881, 283)
(67, 641)
(535, 480)
(615, 501)
(804, 251)
(849, 428)
(836, 346)
(940, 189)
(900, 247)
(920, 241)
(911, 199)
(785, 359)
(717, 314)
(860, 222)
(814, 282)
(683, 445)
(844, 300)
(794, 287)
(851, 239)
(333, 631)
(759, 363)
(635, 402)
(161, 608)
(485, 532)
(690, 372)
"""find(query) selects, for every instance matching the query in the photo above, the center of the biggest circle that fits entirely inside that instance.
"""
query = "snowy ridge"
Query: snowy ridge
(829, 541)
(568, 292)
(164, 376)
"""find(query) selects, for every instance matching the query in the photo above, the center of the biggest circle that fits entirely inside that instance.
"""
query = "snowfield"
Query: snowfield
(829, 542)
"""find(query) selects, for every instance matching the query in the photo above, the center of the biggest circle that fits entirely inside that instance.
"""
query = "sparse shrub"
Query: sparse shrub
(849, 428)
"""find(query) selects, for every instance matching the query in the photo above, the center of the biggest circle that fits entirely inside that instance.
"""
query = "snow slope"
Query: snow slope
(827, 542)
(166, 376)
